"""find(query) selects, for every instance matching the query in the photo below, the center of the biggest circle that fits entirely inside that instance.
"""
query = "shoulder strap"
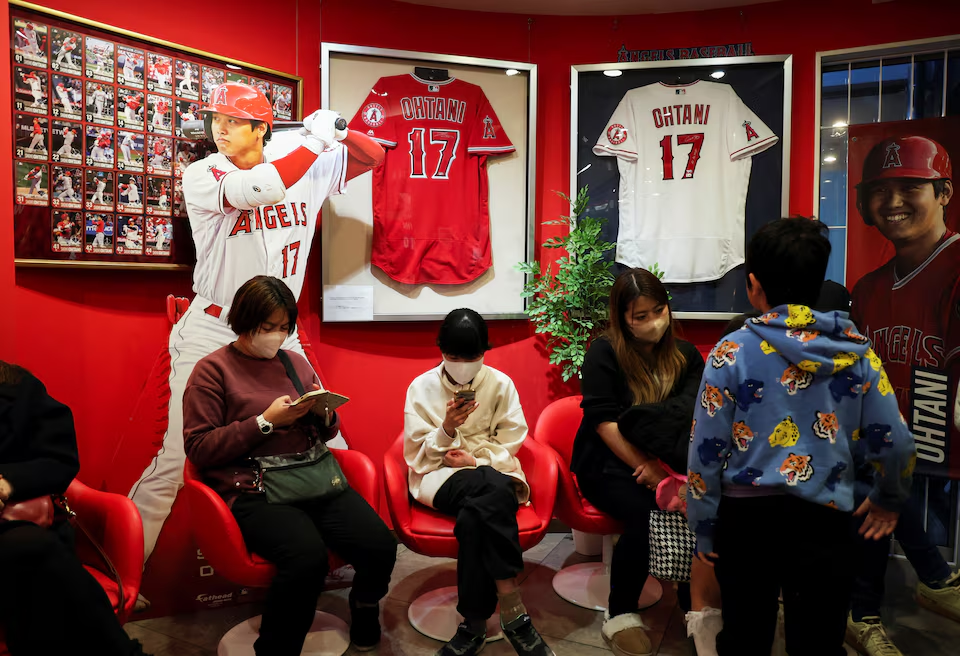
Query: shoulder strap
(291, 372)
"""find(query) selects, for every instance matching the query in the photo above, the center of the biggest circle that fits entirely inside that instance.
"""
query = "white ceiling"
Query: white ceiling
(586, 7)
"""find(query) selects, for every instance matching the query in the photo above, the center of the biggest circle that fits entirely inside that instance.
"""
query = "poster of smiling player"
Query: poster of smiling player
(30, 90)
(282, 102)
(158, 196)
(159, 237)
(129, 235)
(129, 193)
(130, 109)
(212, 78)
(159, 155)
(129, 66)
(100, 103)
(67, 97)
(130, 147)
(29, 42)
(65, 232)
(66, 50)
(31, 183)
(99, 147)
(98, 191)
(31, 137)
(98, 235)
(98, 55)
(159, 73)
(160, 110)
(67, 188)
(903, 264)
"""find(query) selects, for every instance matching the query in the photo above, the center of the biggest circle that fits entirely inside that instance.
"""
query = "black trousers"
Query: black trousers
(618, 494)
(768, 544)
(484, 501)
(295, 539)
(49, 604)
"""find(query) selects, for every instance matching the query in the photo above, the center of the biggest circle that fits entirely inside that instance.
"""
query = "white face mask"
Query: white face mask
(266, 345)
(462, 372)
(652, 331)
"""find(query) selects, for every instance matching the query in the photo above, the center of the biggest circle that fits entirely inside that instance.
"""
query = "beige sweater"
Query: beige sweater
(492, 434)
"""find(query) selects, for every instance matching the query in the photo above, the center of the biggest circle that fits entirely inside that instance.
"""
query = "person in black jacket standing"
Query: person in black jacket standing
(639, 384)
(49, 603)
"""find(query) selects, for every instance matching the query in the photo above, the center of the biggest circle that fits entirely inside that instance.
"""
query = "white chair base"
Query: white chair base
(329, 636)
(434, 614)
(588, 584)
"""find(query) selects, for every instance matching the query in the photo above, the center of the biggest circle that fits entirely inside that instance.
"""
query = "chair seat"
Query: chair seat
(431, 522)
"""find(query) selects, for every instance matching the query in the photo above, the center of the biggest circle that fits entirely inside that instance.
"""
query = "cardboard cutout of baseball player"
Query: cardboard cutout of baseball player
(253, 210)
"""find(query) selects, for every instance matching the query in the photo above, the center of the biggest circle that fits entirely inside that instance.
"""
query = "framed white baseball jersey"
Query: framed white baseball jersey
(235, 245)
(684, 155)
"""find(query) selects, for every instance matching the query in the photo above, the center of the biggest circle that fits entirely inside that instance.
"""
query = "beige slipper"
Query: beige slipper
(626, 636)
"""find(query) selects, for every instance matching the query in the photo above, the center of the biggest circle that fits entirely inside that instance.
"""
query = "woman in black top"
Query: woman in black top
(639, 389)
(49, 603)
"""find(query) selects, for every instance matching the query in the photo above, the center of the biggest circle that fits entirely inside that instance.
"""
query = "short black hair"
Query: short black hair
(463, 334)
(254, 124)
(789, 259)
(256, 300)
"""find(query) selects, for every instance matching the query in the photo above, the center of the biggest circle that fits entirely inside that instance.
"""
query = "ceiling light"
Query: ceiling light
(828, 180)
(716, 75)
(613, 73)
(830, 158)
(234, 67)
(512, 71)
(840, 124)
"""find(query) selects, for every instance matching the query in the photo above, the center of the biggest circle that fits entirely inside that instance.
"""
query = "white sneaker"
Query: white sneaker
(703, 626)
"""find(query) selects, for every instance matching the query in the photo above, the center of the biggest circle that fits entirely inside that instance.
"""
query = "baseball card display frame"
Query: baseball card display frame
(104, 95)
(765, 85)
(348, 73)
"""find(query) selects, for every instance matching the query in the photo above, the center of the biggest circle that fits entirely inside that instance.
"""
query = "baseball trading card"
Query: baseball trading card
(179, 204)
(158, 196)
(67, 190)
(66, 49)
(67, 97)
(130, 66)
(29, 42)
(159, 236)
(98, 235)
(98, 56)
(159, 73)
(130, 109)
(212, 78)
(31, 183)
(187, 152)
(66, 232)
(129, 235)
(66, 142)
(129, 193)
(30, 90)
(99, 195)
(130, 147)
(160, 109)
(282, 101)
(186, 110)
(236, 77)
(99, 147)
(159, 155)
(188, 80)
(100, 103)
(31, 136)
(264, 86)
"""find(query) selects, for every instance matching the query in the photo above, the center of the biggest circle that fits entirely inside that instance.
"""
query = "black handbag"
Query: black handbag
(313, 474)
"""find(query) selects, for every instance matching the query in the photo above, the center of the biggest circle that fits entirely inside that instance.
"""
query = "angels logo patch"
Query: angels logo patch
(220, 96)
(373, 115)
(217, 173)
(616, 134)
(751, 133)
(489, 132)
(892, 157)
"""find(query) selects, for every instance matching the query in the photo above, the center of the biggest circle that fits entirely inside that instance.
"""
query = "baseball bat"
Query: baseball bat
(194, 129)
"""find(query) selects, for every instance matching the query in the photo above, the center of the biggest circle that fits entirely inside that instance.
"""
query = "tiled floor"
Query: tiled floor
(569, 630)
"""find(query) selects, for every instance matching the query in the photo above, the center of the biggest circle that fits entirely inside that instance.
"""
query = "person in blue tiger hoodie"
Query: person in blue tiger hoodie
(789, 406)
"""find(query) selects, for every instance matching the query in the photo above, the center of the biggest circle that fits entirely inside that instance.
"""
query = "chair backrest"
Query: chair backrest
(558, 424)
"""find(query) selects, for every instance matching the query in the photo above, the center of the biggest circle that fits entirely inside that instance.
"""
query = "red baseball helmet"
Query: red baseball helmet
(240, 101)
(907, 157)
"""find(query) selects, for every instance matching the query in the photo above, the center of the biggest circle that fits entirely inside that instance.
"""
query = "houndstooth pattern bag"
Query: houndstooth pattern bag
(671, 546)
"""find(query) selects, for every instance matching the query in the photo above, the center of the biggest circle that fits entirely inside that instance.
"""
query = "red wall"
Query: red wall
(92, 336)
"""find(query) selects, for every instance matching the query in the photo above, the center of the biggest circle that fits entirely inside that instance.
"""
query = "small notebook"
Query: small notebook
(325, 399)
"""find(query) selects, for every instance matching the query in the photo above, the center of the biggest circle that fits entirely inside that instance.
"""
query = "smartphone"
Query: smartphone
(465, 395)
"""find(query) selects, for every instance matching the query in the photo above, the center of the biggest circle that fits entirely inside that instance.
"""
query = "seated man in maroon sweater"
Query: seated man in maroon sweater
(237, 405)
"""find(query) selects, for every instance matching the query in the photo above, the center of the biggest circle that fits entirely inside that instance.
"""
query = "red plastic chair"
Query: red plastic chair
(218, 537)
(113, 521)
(587, 584)
(430, 533)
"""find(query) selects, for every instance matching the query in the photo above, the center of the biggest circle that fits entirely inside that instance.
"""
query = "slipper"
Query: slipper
(626, 636)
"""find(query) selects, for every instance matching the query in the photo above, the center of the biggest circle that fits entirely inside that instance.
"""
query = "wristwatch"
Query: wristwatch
(265, 426)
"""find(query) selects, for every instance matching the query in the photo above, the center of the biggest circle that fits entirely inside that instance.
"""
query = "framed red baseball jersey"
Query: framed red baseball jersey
(430, 195)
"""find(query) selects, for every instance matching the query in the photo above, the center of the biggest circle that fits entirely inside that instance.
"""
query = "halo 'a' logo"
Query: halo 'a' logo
(489, 132)
(751, 133)
(373, 115)
(220, 95)
(892, 158)
(616, 134)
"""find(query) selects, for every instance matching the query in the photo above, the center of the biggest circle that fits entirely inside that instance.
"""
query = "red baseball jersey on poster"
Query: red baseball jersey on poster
(431, 221)
(684, 157)
(914, 324)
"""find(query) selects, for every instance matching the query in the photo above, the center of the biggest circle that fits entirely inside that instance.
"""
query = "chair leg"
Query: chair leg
(329, 636)
(434, 614)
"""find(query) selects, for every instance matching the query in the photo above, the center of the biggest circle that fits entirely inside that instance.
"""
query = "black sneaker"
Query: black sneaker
(365, 627)
(524, 638)
(464, 643)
